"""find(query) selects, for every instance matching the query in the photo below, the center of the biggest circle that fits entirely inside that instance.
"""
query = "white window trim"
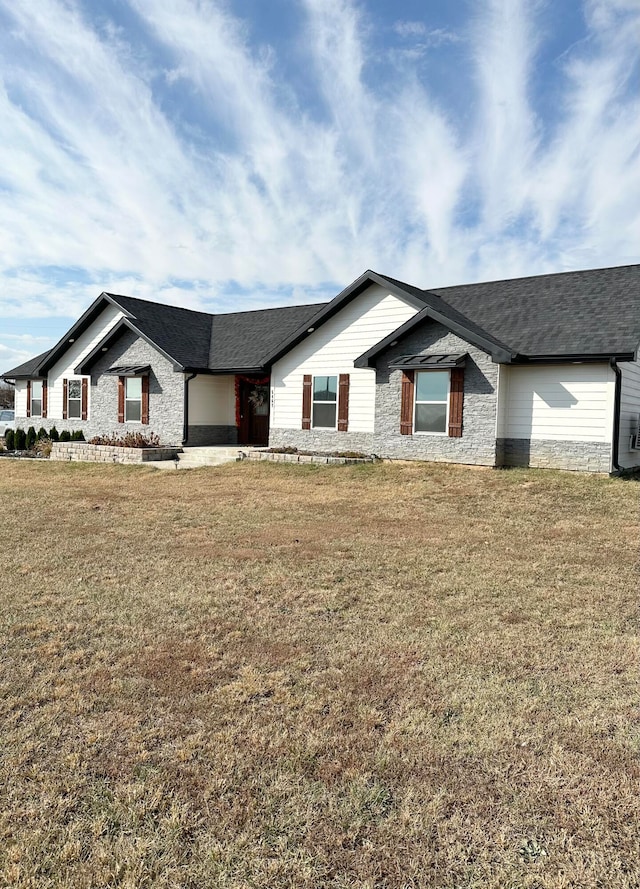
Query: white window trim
(314, 402)
(41, 399)
(447, 403)
(79, 400)
(139, 400)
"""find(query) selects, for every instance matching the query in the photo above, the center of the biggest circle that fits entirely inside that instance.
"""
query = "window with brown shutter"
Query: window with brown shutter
(84, 400)
(456, 398)
(28, 398)
(65, 388)
(343, 403)
(306, 401)
(45, 399)
(145, 401)
(406, 403)
(120, 399)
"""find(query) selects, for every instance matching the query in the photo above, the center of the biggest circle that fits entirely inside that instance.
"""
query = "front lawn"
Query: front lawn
(265, 675)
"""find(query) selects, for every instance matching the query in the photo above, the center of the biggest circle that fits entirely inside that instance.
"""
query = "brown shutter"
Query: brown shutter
(45, 399)
(28, 398)
(85, 399)
(456, 397)
(306, 402)
(406, 404)
(145, 400)
(64, 399)
(343, 403)
(120, 399)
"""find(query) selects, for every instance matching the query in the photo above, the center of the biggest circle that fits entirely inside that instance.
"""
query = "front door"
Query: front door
(254, 413)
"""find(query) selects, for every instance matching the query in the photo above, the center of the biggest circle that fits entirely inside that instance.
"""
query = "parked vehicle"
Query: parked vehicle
(7, 421)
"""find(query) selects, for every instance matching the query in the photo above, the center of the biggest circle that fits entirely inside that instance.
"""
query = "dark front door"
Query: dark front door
(254, 413)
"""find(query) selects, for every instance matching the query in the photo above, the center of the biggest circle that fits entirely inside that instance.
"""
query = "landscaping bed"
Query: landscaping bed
(92, 453)
(293, 455)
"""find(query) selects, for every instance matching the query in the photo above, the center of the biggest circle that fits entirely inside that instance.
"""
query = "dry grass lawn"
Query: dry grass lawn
(300, 676)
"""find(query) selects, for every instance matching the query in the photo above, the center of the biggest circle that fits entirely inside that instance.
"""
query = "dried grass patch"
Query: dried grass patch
(271, 675)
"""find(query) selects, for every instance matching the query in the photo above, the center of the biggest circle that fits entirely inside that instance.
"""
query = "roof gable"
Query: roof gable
(328, 310)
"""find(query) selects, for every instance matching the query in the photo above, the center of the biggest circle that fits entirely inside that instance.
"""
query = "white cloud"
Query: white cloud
(427, 37)
(288, 188)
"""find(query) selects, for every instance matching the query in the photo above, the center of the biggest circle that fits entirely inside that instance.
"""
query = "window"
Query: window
(133, 399)
(431, 402)
(36, 398)
(325, 402)
(74, 399)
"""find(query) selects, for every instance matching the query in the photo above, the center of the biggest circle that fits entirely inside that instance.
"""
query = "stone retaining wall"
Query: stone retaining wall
(304, 458)
(87, 453)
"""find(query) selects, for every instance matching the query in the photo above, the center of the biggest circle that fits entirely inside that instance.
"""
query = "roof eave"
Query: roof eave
(576, 357)
(231, 369)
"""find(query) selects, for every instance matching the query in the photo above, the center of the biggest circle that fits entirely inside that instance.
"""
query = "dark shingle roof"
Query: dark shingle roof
(245, 339)
(26, 370)
(585, 313)
(593, 312)
(183, 334)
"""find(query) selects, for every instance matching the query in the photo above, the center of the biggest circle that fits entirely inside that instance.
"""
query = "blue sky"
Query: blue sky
(239, 154)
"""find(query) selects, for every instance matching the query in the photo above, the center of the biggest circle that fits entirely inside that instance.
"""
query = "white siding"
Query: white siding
(212, 401)
(570, 402)
(629, 410)
(64, 367)
(21, 398)
(332, 349)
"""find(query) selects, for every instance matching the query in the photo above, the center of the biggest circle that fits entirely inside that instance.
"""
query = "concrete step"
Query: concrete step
(193, 458)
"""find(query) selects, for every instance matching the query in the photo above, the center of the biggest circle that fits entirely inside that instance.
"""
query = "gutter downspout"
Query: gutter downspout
(185, 425)
(616, 417)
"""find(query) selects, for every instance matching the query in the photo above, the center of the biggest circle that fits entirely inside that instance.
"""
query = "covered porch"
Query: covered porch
(227, 409)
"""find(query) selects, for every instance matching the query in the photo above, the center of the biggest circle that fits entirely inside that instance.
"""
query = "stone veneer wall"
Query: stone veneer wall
(200, 436)
(323, 441)
(478, 442)
(80, 451)
(166, 392)
(586, 456)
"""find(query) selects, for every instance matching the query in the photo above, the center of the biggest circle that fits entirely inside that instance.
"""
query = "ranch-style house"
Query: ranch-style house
(537, 371)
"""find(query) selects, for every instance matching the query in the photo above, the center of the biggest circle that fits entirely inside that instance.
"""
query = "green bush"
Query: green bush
(54, 435)
(30, 438)
(78, 435)
(9, 439)
(65, 435)
(20, 440)
(42, 433)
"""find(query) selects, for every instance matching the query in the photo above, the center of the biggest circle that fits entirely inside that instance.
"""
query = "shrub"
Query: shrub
(42, 433)
(43, 447)
(54, 435)
(9, 439)
(65, 435)
(78, 435)
(20, 440)
(30, 439)
(128, 440)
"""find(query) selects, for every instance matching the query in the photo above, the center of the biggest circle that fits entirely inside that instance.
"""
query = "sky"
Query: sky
(226, 155)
